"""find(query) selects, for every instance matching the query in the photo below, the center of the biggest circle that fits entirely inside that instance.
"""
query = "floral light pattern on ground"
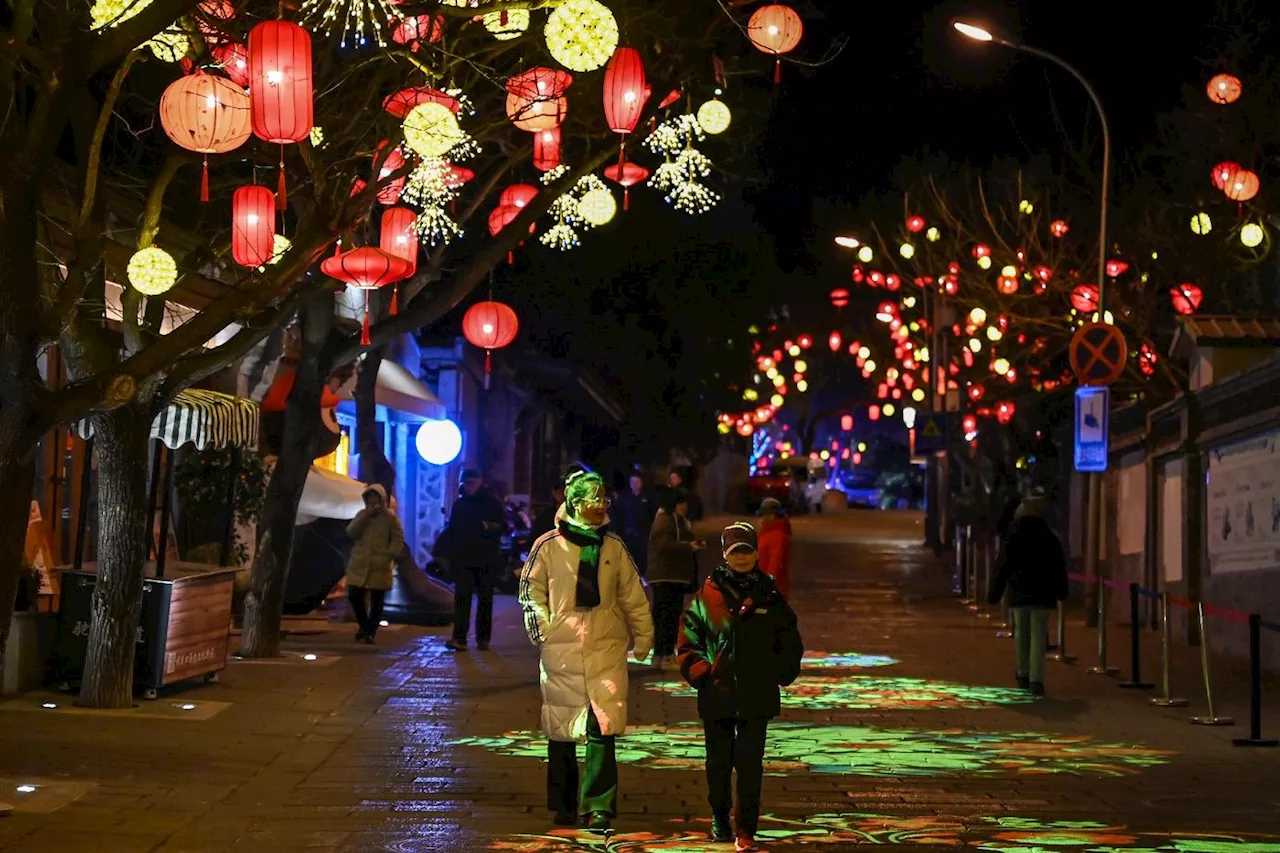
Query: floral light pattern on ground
(845, 660)
(862, 692)
(1028, 835)
(866, 751)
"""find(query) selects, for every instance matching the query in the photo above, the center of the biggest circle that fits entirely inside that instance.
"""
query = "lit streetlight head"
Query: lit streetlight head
(969, 30)
(848, 242)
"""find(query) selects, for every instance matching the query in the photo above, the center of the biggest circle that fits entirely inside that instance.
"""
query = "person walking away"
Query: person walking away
(634, 512)
(1033, 566)
(739, 644)
(584, 605)
(775, 544)
(379, 538)
(477, 520)
(672, 571)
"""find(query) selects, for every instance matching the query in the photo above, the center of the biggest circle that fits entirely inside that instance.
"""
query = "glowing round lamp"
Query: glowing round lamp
(581, 34)
(865, 254)
(1201, 224)
(536, 100)
(438, 442)
(152, 271)
(598, 206)
(1059, 228)
(907, 251)
(775, 29)
(1224, 89)
(431, 130)
(1242, 186)
(169, 45)
(714, 116)
(1186, 298)
(1251, 234)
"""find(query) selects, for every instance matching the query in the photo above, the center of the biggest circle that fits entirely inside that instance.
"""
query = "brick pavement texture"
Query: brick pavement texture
(904, 731)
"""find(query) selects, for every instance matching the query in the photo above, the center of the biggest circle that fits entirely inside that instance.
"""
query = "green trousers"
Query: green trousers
(1030, 635)
(599, 792)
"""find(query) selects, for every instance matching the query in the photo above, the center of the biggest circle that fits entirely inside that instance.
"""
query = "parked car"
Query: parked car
(773, 483)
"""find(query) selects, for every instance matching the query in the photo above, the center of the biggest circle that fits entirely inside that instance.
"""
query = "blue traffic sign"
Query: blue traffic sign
(931, 433)
(1092, 435)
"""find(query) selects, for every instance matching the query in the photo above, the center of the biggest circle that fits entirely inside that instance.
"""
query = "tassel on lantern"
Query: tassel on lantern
(395, 300)
(488, 367)
(777, 72)
(204, 181)
(622, 155)
(281, 198)
(511, 257)
(364, 328)
(626, 198)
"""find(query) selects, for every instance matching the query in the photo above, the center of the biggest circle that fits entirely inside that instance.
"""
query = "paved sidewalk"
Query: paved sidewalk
(903, 731)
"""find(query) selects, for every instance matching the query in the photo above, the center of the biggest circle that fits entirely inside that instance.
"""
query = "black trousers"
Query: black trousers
(469, 582)
(369, 618)
(668, 603)
(736, 745)
(599, 791)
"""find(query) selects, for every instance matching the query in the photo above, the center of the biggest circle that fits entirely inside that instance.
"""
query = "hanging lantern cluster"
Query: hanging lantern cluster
(490, 325)
(581, 208)
(581, 34)
(537, 102)
(678, 177)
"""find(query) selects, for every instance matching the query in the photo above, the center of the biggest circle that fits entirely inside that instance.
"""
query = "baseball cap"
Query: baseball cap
(738, 536)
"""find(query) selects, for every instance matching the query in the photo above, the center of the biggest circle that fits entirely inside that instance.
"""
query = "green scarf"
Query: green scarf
(587, 593)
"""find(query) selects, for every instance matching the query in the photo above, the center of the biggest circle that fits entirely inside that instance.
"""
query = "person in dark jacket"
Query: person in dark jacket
(739, 644)
(545, 521)
(633, 513)
(1033, 567)
(476, 524)
(672, 572)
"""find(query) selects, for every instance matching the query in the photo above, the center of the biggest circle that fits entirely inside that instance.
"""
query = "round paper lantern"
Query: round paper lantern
(431, 130)
(152, 271)
(414, 31)
(1242, 186)
(205, 114)
(915, 224)
(213, 18)
(233, 59)
(625, 90)
(518, 195)
(1223, 172)
(536, 98)
(502, 216)
(839, 297)
(438, 442)
(399, 104)
(775, 29)
(714, 116)
(546, 149)
(253, 226)
(628, 175)
(1059, 228)
(834, 340)
(1223, 89)
(398, 237)
(1251, 234)
(490, 326)
(1007, 285)
(1201, 224)
(581, 34)
(366, 268)
(1084, 298)
(597, 206)
(1186, 298)
(394, 162)
(280, 81)
(507, 24)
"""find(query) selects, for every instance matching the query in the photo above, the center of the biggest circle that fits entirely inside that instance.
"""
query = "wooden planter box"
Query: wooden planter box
(28, 651)
(184, 631)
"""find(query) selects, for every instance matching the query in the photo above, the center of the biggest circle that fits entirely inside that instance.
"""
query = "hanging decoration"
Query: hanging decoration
(417, 30)
(233, 58)
(596, 205)
(507, 24)
(366, 268)
(212, 19)
(678, 177)
(536, 98)
(714, 116)
(775, 30)
(253, 225)
(170, 45)
(152, 271)
(394, 162)
(1222, 173)
(351, 17)
(207, 115)
(502, 216)
(400, 103)
(518, 195)
(280, 87)
(490, 326)
(546, 149)
(1186, 298)
(105, 14)
(431, 130)
(1242, 186)
(625, 94)
(581, 34)
(1084, 298)
(432, 186)
(1224, 89)
(563, 235)
(627, 175)
(397, 237)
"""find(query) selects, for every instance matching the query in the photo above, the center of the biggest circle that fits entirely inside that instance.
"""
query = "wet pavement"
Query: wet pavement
(904, 730)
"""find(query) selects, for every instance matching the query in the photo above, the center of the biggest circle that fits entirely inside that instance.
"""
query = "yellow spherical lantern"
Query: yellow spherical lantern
(1252, 234)
(714, 116)
(907, 251)
(169, 45)
(581, 34)
(985, 262)
(508, 24)
(865, 254)
(111, 13)
(1201, 224)
(933, 234)
(152, 271)
(597, 206)
(279, 245)
(431, 129)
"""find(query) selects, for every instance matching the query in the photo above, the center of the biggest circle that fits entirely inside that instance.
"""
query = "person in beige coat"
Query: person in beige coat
(379, 538)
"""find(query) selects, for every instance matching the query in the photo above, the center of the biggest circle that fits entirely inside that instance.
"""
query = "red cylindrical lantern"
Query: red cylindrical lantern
(1242, 186)
(625, 90)
(253, 226)
(546, 149)
(1084, 298)
(839, 297)
(280, 89)
(1186, 298)
(205, 114)
(490, 326)
(233, 59)
(518, 195)
(398, 237)
(628, 175)
(389, 193)
(834, 340)
(846, 422)
(366, 268)
(536, 98)
(775, 29)
(1222, 173)
(398, 104)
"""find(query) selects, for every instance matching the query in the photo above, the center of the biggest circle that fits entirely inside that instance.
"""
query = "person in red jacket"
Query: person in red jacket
(775, 544)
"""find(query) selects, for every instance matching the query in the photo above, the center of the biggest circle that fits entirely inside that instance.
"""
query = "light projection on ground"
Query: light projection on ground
(866, 751)
(845, 660)
(1028, 835)
(863, 692)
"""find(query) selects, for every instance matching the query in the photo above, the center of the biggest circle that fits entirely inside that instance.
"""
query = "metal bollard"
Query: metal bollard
(1167, 700)
(1211, 719)
(987, 562)
(966, 558)
(981, 577)
(1135, 681)
(957, 580)
(1255, 737)
(1102, 668)
(1061, 655)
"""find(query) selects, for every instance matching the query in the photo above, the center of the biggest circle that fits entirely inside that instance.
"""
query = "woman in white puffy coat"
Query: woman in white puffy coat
(584, 607)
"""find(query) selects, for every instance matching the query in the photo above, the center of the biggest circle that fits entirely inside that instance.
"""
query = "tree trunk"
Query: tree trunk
(264, 604)
(121, 439)
(15, 502)
(374, 467)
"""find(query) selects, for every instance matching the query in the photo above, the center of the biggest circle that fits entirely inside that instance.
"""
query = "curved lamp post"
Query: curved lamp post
(979, 34)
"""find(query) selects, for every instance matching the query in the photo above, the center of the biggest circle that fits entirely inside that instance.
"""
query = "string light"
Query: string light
(560, 236)
(428, 184)
(353, 17)
(435, 227)
(674, 135)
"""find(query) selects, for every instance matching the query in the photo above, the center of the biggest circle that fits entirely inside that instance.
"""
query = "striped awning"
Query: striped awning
(202, 418)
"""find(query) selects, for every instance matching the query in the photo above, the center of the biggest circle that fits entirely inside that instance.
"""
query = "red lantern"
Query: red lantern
(490, 326)
(1186, 298)
(1084, 298)
(625, 90)
(413, 31)
(1222, 173)
(775, 29)
(398, 237)
(518, 195)
(458, 176)
(804, 341)
(846, 422)
(873, 413)
(546, 149)
(1223, 89)
(915, 224)
(500, 218)
(253, 226)
(205, 114)
(280, 87)
(982, 250)
(626, 174)
(839, 297)
(834, 340)
(233, 59)
(1059, 227)
(1005, 411)
(1116, 268)
(1242, 186)
(1147, 359)
(536, 98)
(212, 20)
(400, 103)
(389, 193)
(367, 269)
(1007, 284)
